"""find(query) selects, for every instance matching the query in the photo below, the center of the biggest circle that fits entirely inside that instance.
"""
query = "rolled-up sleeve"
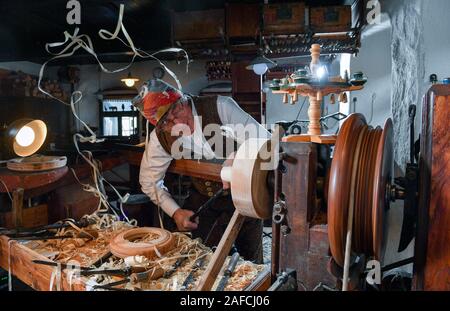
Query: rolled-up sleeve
(154, 164)
(232, 115)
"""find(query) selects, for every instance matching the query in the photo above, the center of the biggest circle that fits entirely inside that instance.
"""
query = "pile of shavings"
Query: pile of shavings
(83, 252)
(190, 249)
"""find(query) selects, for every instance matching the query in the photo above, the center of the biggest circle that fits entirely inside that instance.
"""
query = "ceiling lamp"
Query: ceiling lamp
(129, 80)
(260, 65)
(25, 136)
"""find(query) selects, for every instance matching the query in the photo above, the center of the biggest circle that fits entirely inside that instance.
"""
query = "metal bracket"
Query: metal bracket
(286, 281)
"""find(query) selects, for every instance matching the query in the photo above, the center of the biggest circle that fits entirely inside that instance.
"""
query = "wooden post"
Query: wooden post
(17, 211)
(314, 115)
(315, 100)
(221, 253)
(315, 54)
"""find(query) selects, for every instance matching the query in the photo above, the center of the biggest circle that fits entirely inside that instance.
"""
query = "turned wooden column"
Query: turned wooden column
(314, 113)
(315, 99)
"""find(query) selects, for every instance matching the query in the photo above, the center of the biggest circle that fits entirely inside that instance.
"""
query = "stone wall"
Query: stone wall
(407, 69)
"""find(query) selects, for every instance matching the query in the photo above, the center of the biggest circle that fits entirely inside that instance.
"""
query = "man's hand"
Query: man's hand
(181, 218)
(228, 162)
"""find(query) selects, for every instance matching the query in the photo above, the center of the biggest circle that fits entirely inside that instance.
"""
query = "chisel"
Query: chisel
(207, 205)
(228, 272)
(190, 278)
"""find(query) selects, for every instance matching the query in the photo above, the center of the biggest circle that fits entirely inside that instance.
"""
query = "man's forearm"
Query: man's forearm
(161, 198)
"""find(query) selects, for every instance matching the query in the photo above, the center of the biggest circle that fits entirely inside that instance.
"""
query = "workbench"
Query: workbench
(39, 276)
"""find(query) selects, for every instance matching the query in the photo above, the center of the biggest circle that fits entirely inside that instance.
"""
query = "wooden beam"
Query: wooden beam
(221, 253)
(199, 169)
(17, 207)
(204, 170)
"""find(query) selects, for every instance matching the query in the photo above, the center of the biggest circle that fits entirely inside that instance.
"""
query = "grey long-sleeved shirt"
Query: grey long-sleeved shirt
(156, 160)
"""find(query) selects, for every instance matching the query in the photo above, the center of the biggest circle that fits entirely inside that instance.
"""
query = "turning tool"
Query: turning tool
(228, 272)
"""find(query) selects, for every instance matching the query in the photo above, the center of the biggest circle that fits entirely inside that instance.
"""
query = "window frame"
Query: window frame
(118, 114)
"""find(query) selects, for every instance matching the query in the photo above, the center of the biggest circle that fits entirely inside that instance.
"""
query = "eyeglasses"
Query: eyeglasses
(177, 111)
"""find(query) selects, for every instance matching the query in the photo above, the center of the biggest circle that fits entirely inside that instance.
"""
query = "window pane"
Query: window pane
(129, 126)
(113, 105)
(110, 126)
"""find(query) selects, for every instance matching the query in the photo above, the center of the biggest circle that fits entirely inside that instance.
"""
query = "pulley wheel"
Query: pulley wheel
(373, 165)
(383, 178)
(339, 184)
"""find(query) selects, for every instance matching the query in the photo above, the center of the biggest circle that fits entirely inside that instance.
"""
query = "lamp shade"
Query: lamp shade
(260, 65)
(130, 81)
(26, 136)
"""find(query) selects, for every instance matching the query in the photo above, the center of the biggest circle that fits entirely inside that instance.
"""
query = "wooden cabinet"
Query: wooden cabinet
(432, 253)
(198, 25)
(243, 20)
(331, 18)
(244, 81)
(246, 89)
(284, 18)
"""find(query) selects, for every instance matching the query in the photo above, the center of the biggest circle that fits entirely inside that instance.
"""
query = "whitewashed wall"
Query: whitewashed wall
(92, 80)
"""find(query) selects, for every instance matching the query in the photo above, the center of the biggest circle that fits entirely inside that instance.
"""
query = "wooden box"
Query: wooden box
(331, 19)
(32, 217)
(243, 20)
(198, 25)
(284, 18)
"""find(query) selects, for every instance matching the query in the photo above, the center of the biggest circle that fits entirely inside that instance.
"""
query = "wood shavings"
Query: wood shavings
(85, 252)
(245, 273)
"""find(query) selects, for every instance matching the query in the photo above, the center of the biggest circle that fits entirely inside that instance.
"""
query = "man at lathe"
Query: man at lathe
(167, 108)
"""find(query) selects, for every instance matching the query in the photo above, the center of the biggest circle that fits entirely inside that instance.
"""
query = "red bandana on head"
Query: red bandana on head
(155, 99)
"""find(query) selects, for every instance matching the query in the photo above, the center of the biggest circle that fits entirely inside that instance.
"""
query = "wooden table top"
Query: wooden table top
(29, 180)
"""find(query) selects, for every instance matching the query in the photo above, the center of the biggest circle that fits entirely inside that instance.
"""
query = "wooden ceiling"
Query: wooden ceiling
(26, 26)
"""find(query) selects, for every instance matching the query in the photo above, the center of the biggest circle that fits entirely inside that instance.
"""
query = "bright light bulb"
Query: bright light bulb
(321, 72)
(25, 137)
(260, 69)
(129, 82)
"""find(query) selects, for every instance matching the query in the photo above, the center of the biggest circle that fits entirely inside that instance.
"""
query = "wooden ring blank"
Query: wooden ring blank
(123, 246)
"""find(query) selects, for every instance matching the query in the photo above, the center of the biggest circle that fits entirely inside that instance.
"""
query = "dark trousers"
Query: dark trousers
(214, 221)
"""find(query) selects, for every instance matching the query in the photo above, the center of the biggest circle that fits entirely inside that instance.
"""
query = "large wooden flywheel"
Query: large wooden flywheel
(360, 175)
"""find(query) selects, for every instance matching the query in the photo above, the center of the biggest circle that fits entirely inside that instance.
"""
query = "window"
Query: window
(118, 118)
(129, 126)
(110, 126)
